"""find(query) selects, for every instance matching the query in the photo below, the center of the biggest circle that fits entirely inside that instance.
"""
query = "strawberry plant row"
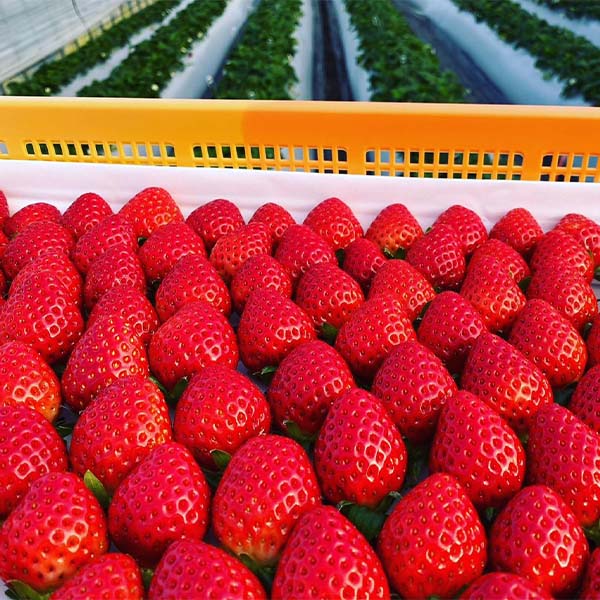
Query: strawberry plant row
(260, 66)
(52, 76)
(402, 68)
(577, 10)
(558, 51)
(150, 67)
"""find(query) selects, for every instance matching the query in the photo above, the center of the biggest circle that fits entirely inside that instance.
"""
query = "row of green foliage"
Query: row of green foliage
(260, 65)
(401, 67)
(52, 76)
(578, 9)
(151, 65)
(558, 51)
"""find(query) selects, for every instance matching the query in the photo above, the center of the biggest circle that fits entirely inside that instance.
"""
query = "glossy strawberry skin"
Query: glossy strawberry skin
(467, 224)
(585, 401)
(273, 474)
(335, 222)
(506, 255)
(592, 343)
(220, 409)
(195, 569)
(31, 213)
(504, 585)
(519, 229)
(214, 220)
(413, 385)
(4, 212)
(58, 517)
(163, 499)
(359, 453)
(394, 228)
(351, 570)
(362, 259)
(584, 230)
(276, 217)
(590, 587)
(451, 549)
(537, 536)
(85, 213)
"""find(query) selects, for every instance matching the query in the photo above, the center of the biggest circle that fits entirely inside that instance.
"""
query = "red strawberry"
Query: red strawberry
(3, 243)
(362, 259)
(585, 401)
(191, 279)
(439, 255)
(328, 295)
(586, 231)
(393, 229)
(506, 381)
(194, 569)
(164, 499)
(335, 222)
(277, 219)
(506, 255)
(4, 213)
(467, 224)
(371, 333)
(309, 379)
(592, 343)
(355, 572)
(271, 326)
(106, 352)
(359, 454)
(398, 279)
(26, 378)
(449, 329)
(475, 445)
(31, 213)
(548, 340)
(57, 528)
(214, 220)
(591, 582)
(537, 536)
(85, 213)
(503, 585)
(194, 337)
(149, 209)
(165, 246)
(259, 271)
(274, 475)
(29, 448)
(111, 448)
(519, 229)
(219, 410)
(433, 542)
(112, 575)
(3, 285)
(413, 385)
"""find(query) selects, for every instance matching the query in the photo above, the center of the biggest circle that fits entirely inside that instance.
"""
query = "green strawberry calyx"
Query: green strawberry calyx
(399, 254)
(221, 458)
(593, 533)
(97, 488)
(306, 440)
(367, 520)
(19, 590)
(329, 333)
(266, 574)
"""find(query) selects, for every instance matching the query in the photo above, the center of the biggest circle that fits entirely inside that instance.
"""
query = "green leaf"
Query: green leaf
(265, 375)
(97, 488)
(178, 390)
(368, 521)
(221, 458)
(23, 591)
(329, 333)
(304, 439)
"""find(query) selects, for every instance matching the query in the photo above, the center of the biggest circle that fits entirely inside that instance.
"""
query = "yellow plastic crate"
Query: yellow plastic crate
(406, 140)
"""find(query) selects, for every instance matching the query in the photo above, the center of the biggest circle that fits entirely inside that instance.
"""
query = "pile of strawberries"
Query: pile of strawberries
(297, 410)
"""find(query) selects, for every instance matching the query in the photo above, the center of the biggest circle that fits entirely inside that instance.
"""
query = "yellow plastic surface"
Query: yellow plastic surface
(408, 140)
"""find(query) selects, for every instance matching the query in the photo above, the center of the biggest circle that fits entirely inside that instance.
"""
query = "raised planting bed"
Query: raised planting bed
(580, 10)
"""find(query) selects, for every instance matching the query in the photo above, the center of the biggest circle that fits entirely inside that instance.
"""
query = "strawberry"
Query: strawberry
(191, 279)
(29, 448)
(328, 295)
(439, 256)
(468, 226)
(107, 351)
(194, 569)
(26, 378)
(592, 342)
(149, 209)
(3, 243)
(259, 271)
(413, 385)
(584, 230)
(300, 247)
(3, 285)
(475, 445)
(585, 401)
(449, 329)
(370, 334)
(355, 572)
(232, 250)
(433, 542)
(394, 229)
(506, 255)
(348, 467)
(113, 575)
(266, 488)
(214, 220)
(506, 381)
(400, 280)
(590, 587)
(271, 326)
(4, 212)
(362, 259)
(163, 499)
(194, 337)
(335, 222)
(110, 449)
(57, 528)
(165, 246)
(564, 454)
(536, 535)
(519, 229)
(503, 585)
(549, 341)
(276, 217)
(85, 213)
(219, 410)
(35, 212)
(309, 379)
